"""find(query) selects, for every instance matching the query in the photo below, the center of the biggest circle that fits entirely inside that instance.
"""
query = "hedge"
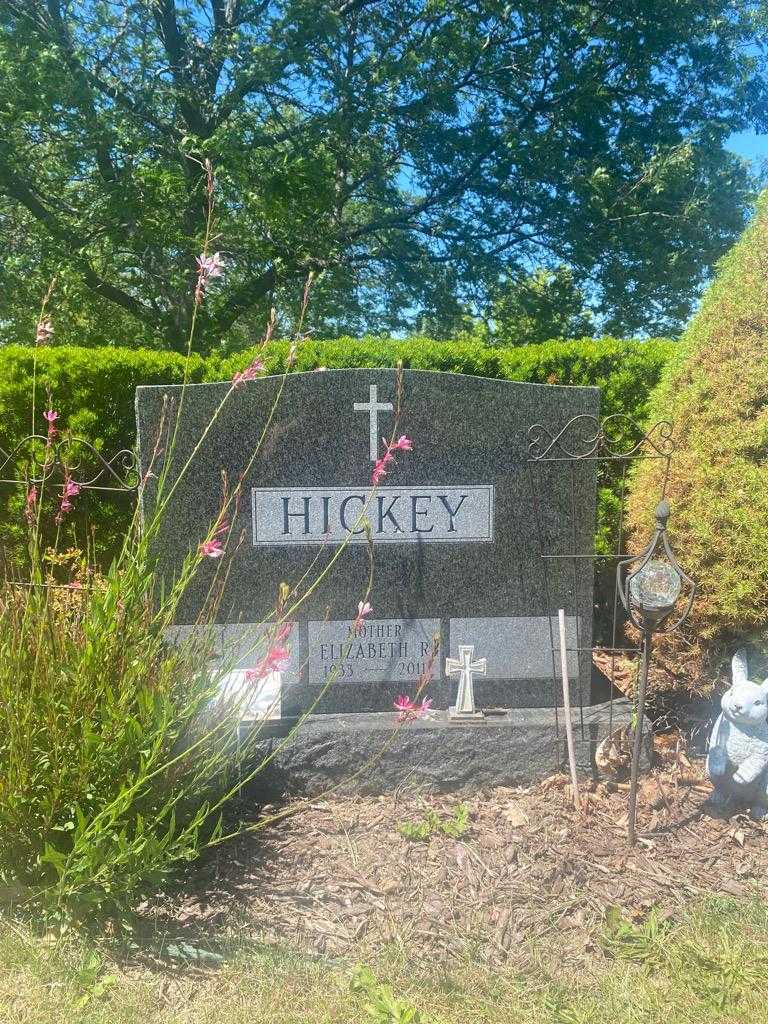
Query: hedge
(715, 390)
(93, 389)
(626, 371)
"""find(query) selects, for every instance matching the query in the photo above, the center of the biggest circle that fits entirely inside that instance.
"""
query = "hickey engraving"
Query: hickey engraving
(314, 515)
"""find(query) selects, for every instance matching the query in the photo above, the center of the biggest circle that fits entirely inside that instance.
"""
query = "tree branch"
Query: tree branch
(352, 6)
(404, 217)
(122, 99)
(16, 188)
(179, 57)
(243, 298)
(104, 161)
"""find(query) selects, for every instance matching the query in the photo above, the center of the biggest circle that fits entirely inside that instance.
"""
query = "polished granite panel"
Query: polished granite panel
(306, 445)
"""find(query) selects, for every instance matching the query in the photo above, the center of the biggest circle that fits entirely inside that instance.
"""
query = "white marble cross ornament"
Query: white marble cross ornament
(465, 696)
(373, 407)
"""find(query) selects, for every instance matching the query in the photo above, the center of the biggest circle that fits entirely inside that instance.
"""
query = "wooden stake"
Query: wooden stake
(567, 710)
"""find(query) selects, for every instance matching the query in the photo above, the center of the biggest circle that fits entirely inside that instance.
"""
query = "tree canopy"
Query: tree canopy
(413, 153)
(544, 305)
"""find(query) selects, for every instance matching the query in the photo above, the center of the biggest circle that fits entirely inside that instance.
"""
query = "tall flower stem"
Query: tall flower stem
(197, 301)
(40, 321)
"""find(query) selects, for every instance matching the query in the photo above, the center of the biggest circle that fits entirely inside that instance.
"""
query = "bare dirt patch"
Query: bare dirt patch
(339, 879)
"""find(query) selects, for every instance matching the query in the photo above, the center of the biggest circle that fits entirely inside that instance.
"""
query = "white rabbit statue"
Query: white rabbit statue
(737, 762)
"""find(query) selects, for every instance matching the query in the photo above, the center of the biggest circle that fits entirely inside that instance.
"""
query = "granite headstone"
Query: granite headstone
(459, 527)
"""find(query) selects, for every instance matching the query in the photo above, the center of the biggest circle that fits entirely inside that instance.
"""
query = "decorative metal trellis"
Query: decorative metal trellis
(38, 461)
(68, 457)
(608, 448)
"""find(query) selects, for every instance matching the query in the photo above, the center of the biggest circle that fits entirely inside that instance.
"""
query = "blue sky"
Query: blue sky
(752, 146)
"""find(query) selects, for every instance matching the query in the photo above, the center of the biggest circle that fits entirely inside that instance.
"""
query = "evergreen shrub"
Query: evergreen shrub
(715, 390)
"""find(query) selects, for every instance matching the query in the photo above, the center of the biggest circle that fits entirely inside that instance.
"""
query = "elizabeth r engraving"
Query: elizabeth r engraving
(381, 650)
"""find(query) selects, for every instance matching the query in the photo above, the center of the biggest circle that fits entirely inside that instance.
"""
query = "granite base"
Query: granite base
(362, 752)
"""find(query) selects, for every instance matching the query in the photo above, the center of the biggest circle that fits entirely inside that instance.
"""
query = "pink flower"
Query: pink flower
(275, 660)
(211, 266)
(51, 415)
(250, 373)
(380, 469)
(408, 710)
(70, 490)
(403, 703)
(44, 331)
(212, 548)
(30, 507)
(363, 609)
(208, 267)
(402, 444)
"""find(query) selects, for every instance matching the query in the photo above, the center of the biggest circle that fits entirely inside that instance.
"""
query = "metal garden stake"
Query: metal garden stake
(649, 593)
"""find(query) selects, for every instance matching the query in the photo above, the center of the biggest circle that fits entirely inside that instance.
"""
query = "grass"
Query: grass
(708, 967)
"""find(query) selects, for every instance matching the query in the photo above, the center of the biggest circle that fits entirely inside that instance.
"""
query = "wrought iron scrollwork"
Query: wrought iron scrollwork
(588, 437)
(70, 457)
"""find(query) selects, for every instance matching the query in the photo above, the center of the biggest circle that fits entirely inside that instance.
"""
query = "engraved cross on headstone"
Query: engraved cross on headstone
(373, 407)
(465, 696)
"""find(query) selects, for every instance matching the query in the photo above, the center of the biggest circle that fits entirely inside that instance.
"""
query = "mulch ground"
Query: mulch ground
(339, 879)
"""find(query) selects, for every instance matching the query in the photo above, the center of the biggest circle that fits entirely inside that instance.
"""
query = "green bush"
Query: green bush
(94, 391)
(625, 371)
(94, 806)
(715, 390)
(119, 751)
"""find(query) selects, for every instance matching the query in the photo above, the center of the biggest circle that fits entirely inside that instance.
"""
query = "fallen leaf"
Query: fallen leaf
(614, 753)
(515, 816)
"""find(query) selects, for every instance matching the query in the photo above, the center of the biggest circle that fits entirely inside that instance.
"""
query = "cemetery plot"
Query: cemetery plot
(508, 869)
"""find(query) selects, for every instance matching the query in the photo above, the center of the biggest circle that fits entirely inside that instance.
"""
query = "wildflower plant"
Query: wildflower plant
(120, 745)
(455, 825)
